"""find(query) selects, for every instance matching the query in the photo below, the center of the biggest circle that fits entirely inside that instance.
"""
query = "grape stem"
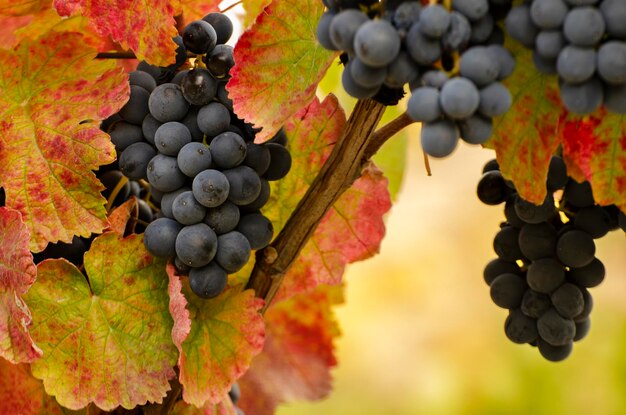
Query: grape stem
(345, 164)
(235, 4)
(116, 190)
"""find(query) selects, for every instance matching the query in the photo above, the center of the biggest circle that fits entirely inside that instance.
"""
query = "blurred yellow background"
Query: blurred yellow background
(421, 335)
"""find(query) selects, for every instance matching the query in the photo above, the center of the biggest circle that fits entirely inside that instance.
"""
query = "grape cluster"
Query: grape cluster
(179, 133)
(546, 259)
(584, 42)
(452, 60)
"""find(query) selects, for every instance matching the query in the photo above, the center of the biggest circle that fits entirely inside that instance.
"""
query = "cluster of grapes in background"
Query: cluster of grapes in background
(584, 42)
(546, 258)
(452, 60)
(179, 137)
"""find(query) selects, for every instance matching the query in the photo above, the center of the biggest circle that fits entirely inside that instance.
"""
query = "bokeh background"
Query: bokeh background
(420, 333)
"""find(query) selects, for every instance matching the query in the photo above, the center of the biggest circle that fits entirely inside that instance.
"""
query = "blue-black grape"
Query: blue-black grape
(492, 189)
(223, 218)
(576, 64)
(160, 237)
(257, 229)
(136, 109)
(535, 304)
(280, 162)
(423, 105)
(142, 79)
(506, 244)
(163, 173)
(439, 138)
(221, 24)
(459, 98)
(365, 75)
(555, 329)
(554, 353)
(497, 267)
(458, 34)
(198, 86)
(211, 187)
(245, 185)
(186, 209)
(261, 199)
(233, 251)
(196, 245)
(589, 276)
(124, 134)
(537, 241)
(584, 26)
(208, 281)
(476, 129)
(575, 248)
(194, 158)
(548, 14)
(213, 119)
(472, 9)
(167, 103)
(495, 100)
(220, 61)
(520, 328)
(507, 290)
(545, 275)
(612, 62)
(478, 66)
(149, 126)
(167, 201)
(199, 37)
(257, 157)
(134, 160)
(171, 137)
(344, 26)
(568, 300)
(228, 150)
(322, 31)
(423, 50)
(614, 13)
(435, 20)
(520, 26)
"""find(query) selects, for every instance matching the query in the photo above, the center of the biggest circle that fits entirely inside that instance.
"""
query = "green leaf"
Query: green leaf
(106, 340)
(278, 64)
(216, 338)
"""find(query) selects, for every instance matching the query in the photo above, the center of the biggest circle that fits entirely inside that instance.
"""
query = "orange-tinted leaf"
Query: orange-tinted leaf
(353, 229)
(218, 344)
(49, 20)
(197, 9)
(17, 274)
(119, 217)
(278, 64)
(106, 341)
(22, 7)
(596, 148)
(21, 393)
(298, 354)
(47, 155)
(8, 26)
(225, 407)
(253, 9)
(527, 135)
(145, 28)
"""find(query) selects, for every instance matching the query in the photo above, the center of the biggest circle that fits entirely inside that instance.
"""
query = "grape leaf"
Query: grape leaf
(22, 7)
(119, 217)
(527, 135)
(298, 354)
(21, 393)
(217, 345)
(106, 341)
(146, 29)
(197, 9)
(8, 25)
(278, 64)
(253, 9)
(17, 275)
(353, 229)
(225, 407)
(46, 154)
(596, 148)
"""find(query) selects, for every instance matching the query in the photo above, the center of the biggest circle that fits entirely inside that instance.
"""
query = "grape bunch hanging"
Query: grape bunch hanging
(584, 42)
(178, 133)
(452, 60)
(546, 259)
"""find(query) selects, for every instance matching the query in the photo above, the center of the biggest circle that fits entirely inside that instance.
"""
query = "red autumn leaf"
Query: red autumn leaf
(146, 29)
(106, 339)
(595, 147)
(216, 338)
(278, 64)
(21, 393)
(197, 9)
(120, 216)
(23, 7)
(353, 229)
(8, 26)
(17, 274)
(527, 135)
(298, 354)
(46, 154)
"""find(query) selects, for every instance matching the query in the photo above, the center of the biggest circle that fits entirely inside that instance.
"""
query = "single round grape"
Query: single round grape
(578, 194)
(520, 328)
(435, 20)
(423, 106)
(210, 187)
(535, 304)
(549, 43)
(223, 218)
(478, 66)
(497, 267)
(377, 43)
(186, 209)
(584, 26)
(142, 79)
(511, 215)
(594, 220)
(213, 119)
(492, 190)
(615, 99)
(199, 37)
(322, 31)
(353, 88)
(208, 281)
(482, 29)
(614, 13)
(163, 173)
(548, 14)
(423, 50)
(531, 213)
(545, 275)
(589, 276)
(555, 329)
(520, 26)
(343, 28)
(221, 24)
(167, 201)
(506, 244)
(196, 245)
(178, 78)
(233, 251)
(261, 199)
(554, 353)
(434, 78)
(234, 393)
(495, 100)
(476, 129)
(575, 248)
(406, 14)
(134, 160)
(458, 35)
(149, 127)
(160, 237)
(568, 300)
(222, 95)
(257, 229)
(123, 134)
(245, 185)
(459, 98)
(576, 64)
(136, 109)
(582, 329)
(365, 75)
(280, 162)
(220, 61)
(557, 174)
(193, 158)
(537, 241)
(472, 9)
(439, 138)
(612, 62)
(198, 86)
(171, 137)
(507, 290)
(167, 103)
(228, 150)
(258, 157)
(588, 299)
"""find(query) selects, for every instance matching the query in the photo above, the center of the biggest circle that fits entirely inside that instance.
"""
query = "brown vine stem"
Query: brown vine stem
(116, 55)
(343, 167)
